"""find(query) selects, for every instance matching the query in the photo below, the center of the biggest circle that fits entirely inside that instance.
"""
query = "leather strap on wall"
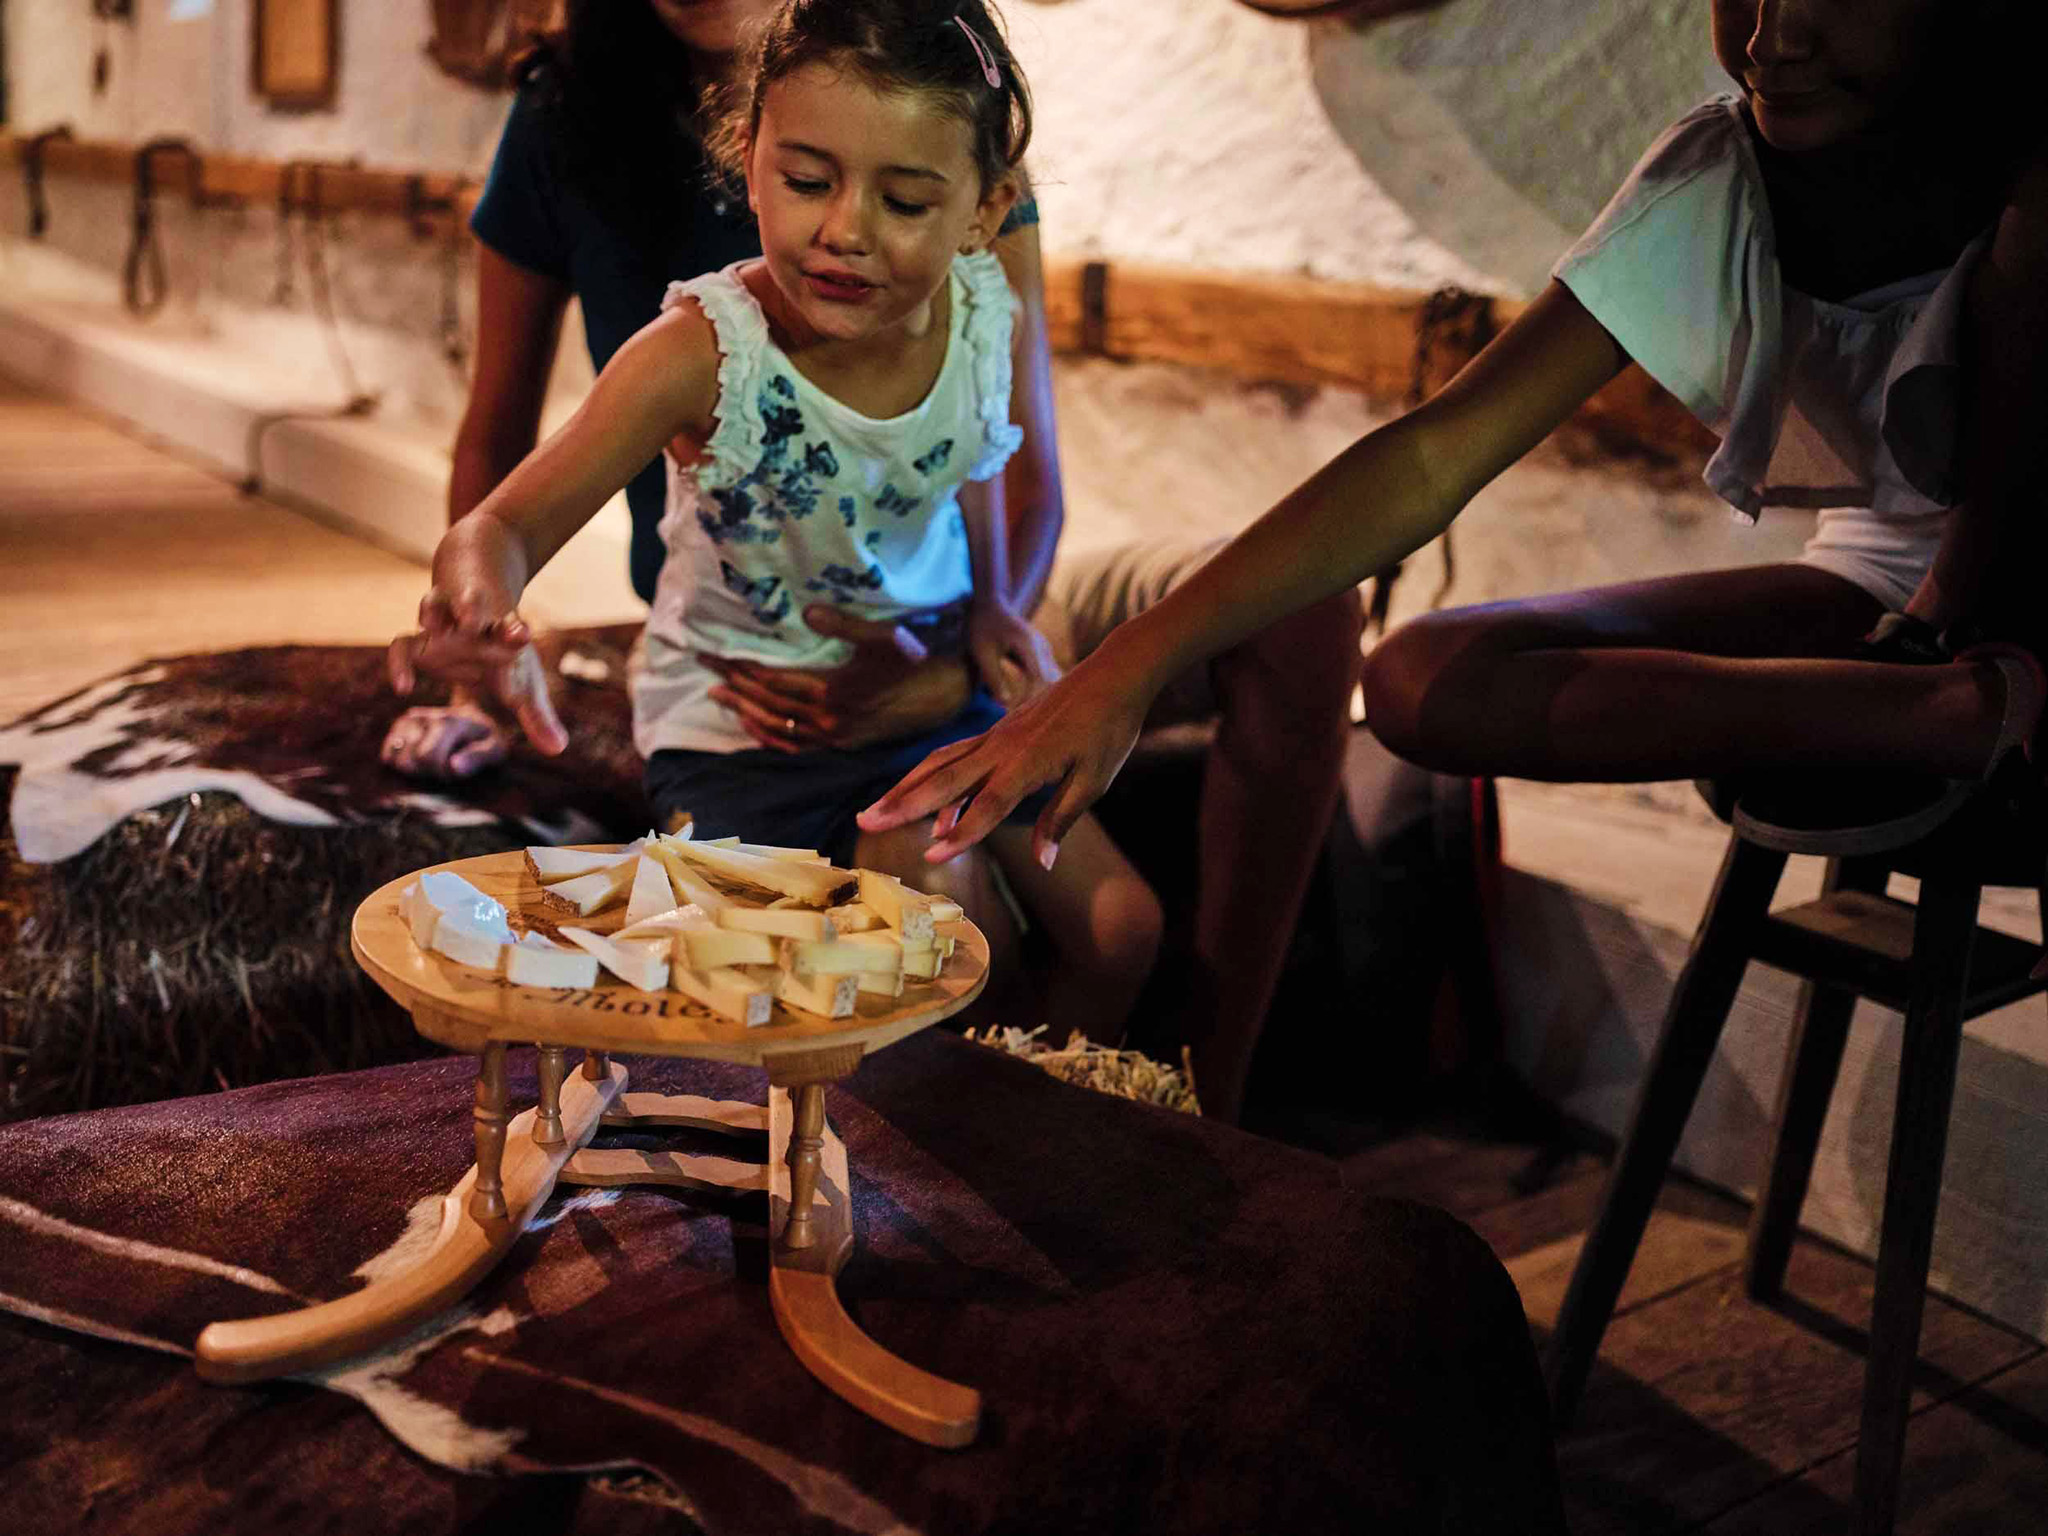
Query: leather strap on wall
(32, 177)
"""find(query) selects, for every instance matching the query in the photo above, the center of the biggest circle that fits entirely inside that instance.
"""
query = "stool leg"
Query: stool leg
(1943, 931)
(806, 1146)
(1813, 1060)
(547, 1118)
(1692, 1026)
(597, 1066)
(487, 1199)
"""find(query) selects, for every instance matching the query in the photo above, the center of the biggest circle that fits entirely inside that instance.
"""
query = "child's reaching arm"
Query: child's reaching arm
(1382, 498)
(661, 383)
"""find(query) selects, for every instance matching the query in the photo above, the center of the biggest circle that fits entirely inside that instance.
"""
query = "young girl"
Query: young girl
(1844, 270)
(835, 417)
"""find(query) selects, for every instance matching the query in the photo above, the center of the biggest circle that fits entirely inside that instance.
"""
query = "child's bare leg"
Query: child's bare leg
(967, 879)
(1268, 788)
(1713, 673)
(1102, 919)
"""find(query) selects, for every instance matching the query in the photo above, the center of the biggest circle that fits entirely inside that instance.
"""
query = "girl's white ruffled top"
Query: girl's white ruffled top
(801, 499)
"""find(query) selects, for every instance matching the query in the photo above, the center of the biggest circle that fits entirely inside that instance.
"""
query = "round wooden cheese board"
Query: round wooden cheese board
(466, 1009)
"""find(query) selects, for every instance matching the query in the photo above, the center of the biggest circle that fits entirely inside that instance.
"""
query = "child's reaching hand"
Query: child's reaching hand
(465, 643)
(1014, 660)
(1076, 735)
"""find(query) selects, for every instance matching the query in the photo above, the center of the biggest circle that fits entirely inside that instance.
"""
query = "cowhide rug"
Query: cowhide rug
(294, 731)
(1176, 1327)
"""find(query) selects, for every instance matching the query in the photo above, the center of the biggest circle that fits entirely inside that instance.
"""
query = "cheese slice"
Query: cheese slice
(813, 884)
(855, 917)
(832, 996)
(592, 892)
(842, 957)
(783, 922)
(448, 915)
(690, 886)
(708, 948)
(535, 960)
(908, 912)
(462, 938)
(888, 984)
(549, 865)
(650, 893)
(794, 855)
(729, 992)
(640, 962)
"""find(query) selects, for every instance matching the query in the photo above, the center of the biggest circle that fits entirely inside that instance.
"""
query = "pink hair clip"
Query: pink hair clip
(988, 63)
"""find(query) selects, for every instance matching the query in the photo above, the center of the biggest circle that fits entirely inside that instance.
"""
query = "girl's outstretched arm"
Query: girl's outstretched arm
(661, 383)
(1382, 498)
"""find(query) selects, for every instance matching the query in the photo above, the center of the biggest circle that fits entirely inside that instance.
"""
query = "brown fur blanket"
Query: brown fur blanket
(294, 731)
(1176, 1327)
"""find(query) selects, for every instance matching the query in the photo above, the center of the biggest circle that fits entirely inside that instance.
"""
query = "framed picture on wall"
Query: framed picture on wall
(296, 52)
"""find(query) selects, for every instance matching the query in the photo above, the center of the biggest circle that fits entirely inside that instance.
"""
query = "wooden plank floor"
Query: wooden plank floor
(1709, 1413)
(1706, 1414)
(113, 551)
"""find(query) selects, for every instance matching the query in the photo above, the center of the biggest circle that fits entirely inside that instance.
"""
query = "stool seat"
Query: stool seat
(1932, 962)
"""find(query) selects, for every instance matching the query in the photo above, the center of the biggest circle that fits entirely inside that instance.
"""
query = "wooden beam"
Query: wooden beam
(1292, 330)
(1297, 330)
(245, 179)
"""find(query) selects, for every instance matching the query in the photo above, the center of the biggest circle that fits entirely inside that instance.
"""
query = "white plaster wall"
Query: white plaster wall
(183, 67)
(1169, 130)
(1503, 128)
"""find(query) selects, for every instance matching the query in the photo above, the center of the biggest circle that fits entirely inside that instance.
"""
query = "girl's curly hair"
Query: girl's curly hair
(942, 48)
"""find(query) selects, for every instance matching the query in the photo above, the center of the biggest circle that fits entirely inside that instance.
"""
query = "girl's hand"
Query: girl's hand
(465, 643)
(1014, 660)
(1076, 735)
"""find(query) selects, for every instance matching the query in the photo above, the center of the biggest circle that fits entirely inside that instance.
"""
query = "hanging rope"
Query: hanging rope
(144, 285)
(299, 191)
(32, 177)
(419, 207)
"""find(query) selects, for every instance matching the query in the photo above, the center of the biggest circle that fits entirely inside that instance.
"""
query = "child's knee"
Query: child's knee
(1306, 663)
(1127, 924)
(1400, 676)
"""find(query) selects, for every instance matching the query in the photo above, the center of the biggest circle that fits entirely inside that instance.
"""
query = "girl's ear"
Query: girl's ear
(989, 213)
(747, 175)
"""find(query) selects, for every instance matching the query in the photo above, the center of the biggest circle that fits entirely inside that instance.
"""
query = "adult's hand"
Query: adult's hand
(889, 686)
(455, 741)
(1075, 736)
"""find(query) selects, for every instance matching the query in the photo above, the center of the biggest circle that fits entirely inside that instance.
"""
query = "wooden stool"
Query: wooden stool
(521, 1156)
(1932, 963)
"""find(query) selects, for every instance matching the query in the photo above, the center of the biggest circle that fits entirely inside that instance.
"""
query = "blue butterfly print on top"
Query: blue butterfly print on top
(843, 583)
(893, 500)
(846, 510)
(764, 601)
(935, 458)
(776, 489)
